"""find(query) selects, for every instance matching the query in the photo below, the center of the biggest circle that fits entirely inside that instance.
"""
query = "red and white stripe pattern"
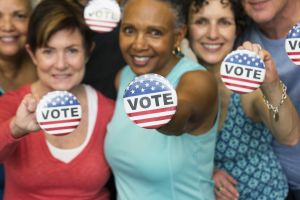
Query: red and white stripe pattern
(154, 118)
(292, 44)
(242, 71)
(102, 15)
(101, 26)
(150, 101)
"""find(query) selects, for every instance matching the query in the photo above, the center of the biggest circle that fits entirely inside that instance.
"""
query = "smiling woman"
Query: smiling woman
(174, 161)
(16, 68)
(246, 165)
(70, 166)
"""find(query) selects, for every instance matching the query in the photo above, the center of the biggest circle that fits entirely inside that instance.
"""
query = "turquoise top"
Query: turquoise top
(149, 165)
(244, 150)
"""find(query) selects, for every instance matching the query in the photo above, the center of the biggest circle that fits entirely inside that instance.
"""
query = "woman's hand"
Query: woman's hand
(225, 185)
(25, 120)
(271, 72)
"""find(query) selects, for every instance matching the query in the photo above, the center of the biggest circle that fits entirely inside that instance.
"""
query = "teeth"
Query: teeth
(61, 76)
(8, 39)
(211, 46)
(141, 59)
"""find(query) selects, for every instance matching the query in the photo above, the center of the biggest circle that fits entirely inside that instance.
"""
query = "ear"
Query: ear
(180, 34)
(31, 54)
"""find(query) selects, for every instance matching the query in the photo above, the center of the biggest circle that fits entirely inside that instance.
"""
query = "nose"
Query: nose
(139, 43)
(213, 32)
(6, 23)
(61, 62)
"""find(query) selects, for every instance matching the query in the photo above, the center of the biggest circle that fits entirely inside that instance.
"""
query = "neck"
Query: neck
(280, 25)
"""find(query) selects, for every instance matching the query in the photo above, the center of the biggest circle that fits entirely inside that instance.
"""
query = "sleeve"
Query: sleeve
(8, 105)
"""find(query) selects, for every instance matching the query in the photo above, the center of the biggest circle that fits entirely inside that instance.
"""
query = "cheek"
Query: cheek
(196, 33)
(123, 42)
(22, 28)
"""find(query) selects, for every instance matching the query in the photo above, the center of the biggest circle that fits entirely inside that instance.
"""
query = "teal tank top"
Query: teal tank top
(149, 165)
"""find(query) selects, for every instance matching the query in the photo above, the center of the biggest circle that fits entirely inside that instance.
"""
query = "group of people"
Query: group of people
(218, 145)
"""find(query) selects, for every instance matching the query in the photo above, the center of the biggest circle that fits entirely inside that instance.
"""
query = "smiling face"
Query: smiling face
(148, 36)
(60, 64)
(212, 32)
(14, 16)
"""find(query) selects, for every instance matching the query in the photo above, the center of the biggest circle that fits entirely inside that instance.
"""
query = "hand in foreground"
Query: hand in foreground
(25, 120)
(225, 185)
(271, 72)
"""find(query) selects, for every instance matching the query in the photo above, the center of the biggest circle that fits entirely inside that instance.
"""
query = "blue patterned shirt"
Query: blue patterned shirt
(244, 150)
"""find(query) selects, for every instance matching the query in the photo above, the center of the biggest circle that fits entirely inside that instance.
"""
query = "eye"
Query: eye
(47, 51)
(73, 50)
(155, 33)
(225, 22)
(201, 21)
(128, 30)
(20, 16)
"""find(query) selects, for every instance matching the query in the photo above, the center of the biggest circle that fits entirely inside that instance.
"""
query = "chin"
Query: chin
(63, 87)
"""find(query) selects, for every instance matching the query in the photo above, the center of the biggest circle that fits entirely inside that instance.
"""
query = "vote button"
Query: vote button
(292, 44)
(242, 71)
(102, 15)
(150, 101)
(58, 113)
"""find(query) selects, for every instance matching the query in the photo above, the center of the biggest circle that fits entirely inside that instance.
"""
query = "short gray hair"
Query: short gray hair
(179, 7)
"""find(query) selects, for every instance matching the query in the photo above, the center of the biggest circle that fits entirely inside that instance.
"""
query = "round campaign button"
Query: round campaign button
(242, 71)
(150, 101)
(58, 113)
(102, 15)
(292, 44)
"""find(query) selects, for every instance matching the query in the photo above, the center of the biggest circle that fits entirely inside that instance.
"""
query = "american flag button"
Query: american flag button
(242, 71)
(102, 15)
(292, 44)
(150, 101)
(58, 113)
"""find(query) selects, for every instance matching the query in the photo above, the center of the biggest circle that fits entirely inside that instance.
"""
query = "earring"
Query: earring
(177, 52)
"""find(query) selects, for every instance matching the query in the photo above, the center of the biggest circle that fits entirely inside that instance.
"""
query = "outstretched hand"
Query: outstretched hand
(25, 120)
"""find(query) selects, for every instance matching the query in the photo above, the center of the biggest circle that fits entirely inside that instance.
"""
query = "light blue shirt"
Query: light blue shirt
(149, 165)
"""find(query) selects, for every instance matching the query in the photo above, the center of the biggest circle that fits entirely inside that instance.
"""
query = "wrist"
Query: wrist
(272, 101)
(16, 130)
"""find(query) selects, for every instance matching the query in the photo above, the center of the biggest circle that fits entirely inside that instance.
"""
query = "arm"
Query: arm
(285, 127)
(197, 106)
(11, 115)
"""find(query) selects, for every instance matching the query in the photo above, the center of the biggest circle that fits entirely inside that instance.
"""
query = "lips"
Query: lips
(256, 3)
(140, 60)
(61, 76)
(211, 47)
(8, 39)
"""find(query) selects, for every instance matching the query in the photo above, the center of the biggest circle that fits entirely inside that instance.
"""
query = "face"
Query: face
(212, 32)
(60, 65)
(263, 11)
(148, 36)
(14, 16)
